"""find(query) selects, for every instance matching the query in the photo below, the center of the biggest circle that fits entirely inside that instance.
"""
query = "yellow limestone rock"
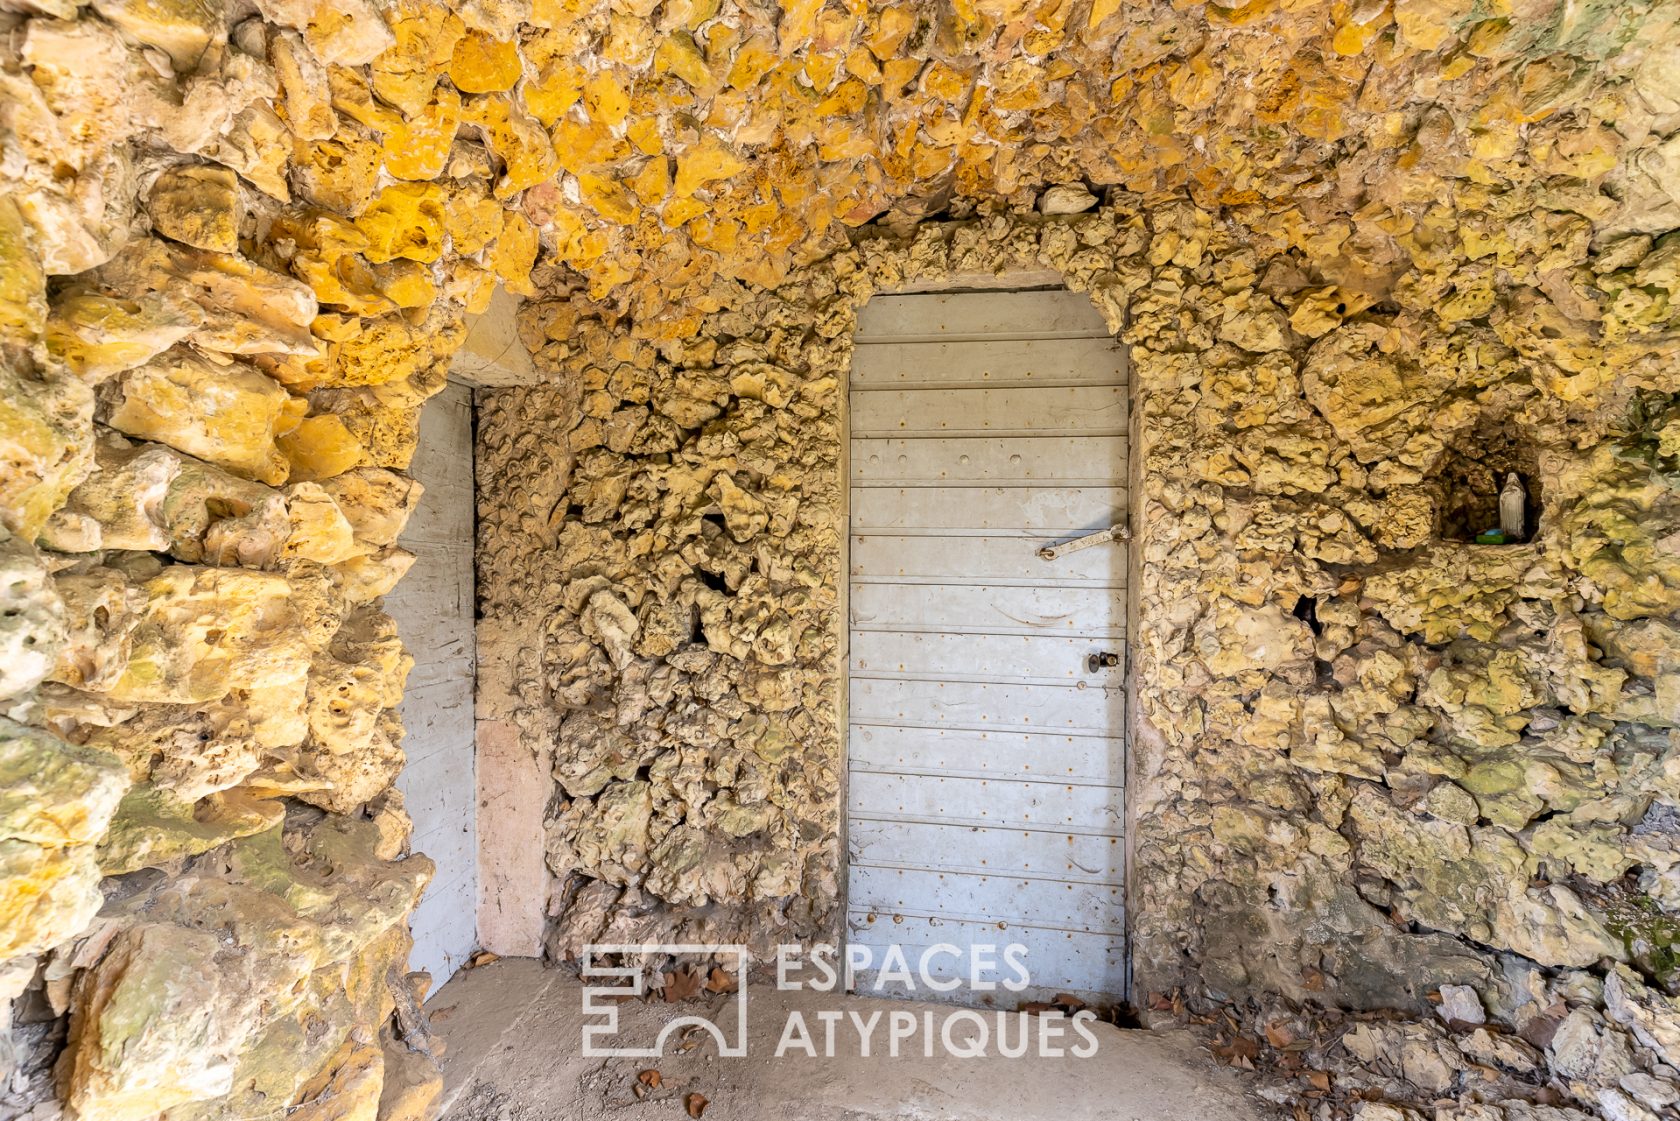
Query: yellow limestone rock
(407, 284)
(346, 32)
(481, 64)
(197, 205)
(340, 173)
(367, 578)
(191, 752)
(255, 145)
(147, 1039)
(707, 163)
(321, 447)
(148, 497)
(426, 33)
(33, 627)
(348, 1091)
(473, 219)
(377, 503)
(418, 146)
(247, 308)
(303, 80)
(23, 286)
(404, 220)
(56, 800)
(46, 446)
(99, 336)
(380, 351)
(226, 415)
(518, 140)
(183, 29)
(353, 686)
(555, 89)
(206, 631)
(319, 530)
(514, 253)
(412, 1086)
(99, 608)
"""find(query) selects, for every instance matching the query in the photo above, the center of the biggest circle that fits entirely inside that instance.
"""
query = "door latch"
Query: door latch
(1102, 659)
(1101, 537)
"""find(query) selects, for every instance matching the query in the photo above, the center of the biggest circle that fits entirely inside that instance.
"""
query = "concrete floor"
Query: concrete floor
(514, 1031)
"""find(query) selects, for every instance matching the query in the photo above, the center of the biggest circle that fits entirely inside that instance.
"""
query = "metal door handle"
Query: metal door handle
(1102, 536)
(1102, 659)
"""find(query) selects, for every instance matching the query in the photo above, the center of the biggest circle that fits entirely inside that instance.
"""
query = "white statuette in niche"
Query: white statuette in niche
(1513, 512)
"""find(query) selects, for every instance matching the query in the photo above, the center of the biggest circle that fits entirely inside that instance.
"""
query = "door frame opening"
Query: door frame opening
(1014, 281)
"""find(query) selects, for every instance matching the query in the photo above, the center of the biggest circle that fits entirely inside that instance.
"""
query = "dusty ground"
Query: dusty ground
(514, 1034)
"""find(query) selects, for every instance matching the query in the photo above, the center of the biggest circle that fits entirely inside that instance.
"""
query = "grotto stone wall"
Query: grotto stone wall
(236, 245)
(1372, 762)
(229, 278)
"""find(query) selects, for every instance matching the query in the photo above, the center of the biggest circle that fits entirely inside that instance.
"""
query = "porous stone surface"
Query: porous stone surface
(218, 322)
(1366, 254)
(1372, 761)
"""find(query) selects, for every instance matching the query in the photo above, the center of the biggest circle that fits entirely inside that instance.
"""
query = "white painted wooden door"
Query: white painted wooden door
(986, 759)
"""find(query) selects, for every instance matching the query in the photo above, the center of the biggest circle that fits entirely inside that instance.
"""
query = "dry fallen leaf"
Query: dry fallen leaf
(649, 1078)
(680, 984)
(720, 982)
(696, 1104)
(483, 957)
(1279, 1035)
(1319, 1079)
(1240, 1052)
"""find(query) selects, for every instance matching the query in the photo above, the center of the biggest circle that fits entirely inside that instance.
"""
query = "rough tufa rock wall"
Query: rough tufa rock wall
(236, 244)
(1372, 761)
(229, 277)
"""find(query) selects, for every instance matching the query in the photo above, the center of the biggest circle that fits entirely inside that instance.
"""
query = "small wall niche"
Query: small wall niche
(1471, 475)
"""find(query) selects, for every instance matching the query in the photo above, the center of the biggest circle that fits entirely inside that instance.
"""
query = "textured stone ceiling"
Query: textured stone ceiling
(693, 140)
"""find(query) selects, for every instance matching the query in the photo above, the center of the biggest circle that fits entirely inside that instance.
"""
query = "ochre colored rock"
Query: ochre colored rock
(514, 254)
(346, 32)
(412, 1085)
(481, 64)
(367, 578)
(227, 415)
(404, 220)
(321, 447)
(319, 531)
(45, 445)
(205, 631)
(197, 205)
(352, 746)
(376, 502)
(518, 140)
(57, 803)
(426, 33)
(418, 146)
(98, 336)
(350, 1091)
(23, 285)
(303, 79)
